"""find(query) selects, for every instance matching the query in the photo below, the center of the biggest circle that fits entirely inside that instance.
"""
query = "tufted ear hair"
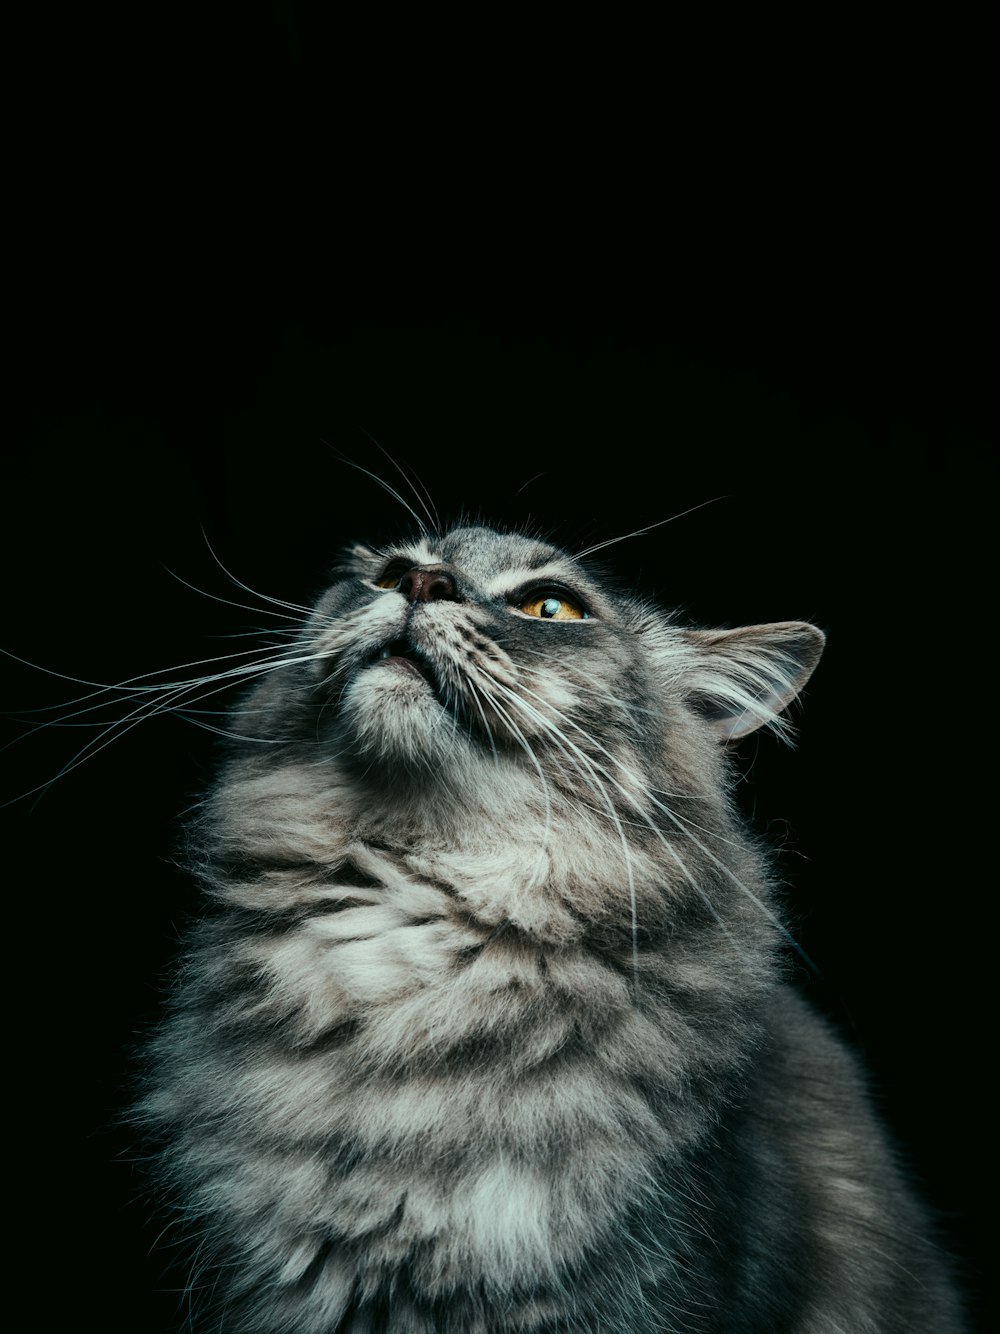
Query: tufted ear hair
(353, 559)
(740, 680)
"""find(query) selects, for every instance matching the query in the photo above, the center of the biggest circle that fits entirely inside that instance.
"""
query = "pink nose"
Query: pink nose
(428, 585)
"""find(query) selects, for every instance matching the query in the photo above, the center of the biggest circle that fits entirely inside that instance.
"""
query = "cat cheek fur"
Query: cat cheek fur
(484, 1029)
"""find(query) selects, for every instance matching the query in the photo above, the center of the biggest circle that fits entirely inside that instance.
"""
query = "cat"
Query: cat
(485, 1028)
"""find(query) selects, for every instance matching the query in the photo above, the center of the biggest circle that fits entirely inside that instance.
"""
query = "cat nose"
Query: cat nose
(428, 585)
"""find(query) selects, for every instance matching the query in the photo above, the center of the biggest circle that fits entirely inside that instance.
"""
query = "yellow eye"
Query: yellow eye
(553, 607)
(391, 575)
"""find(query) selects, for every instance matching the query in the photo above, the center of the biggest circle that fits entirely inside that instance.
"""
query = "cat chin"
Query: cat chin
(394, 717)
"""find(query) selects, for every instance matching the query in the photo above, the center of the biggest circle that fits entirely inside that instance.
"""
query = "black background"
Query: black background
(251, 249)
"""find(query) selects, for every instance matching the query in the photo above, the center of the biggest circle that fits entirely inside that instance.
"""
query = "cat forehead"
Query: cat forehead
(491, 558)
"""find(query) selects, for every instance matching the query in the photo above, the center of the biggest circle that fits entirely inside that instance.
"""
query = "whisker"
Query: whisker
(379, 481)
(264, 597)
(130, 686)
(240, 606)
(540, 771)
(638, 532)
(423, 500)
(165, 700)
(650, 824)
(627, 859)
(678, 821)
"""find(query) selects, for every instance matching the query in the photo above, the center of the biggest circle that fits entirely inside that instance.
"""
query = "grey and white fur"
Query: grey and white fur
(485, 1028)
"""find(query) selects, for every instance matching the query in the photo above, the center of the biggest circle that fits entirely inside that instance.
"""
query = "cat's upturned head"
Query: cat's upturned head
(429, 654)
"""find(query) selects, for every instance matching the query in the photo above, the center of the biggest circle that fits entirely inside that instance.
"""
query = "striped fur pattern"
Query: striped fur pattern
(484, 1029)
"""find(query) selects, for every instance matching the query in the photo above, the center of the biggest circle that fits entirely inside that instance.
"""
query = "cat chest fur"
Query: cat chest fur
(467, 1080)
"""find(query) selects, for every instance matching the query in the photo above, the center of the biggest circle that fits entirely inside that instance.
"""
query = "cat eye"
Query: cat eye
(392, 574)
(553, 605)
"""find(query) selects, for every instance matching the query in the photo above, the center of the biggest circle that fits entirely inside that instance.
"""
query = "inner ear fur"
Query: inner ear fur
(743, 679)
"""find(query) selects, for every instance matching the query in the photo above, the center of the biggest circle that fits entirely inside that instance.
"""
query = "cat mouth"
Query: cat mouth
(399, 655)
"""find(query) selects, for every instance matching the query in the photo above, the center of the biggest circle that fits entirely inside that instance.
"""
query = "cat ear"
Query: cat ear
(744, 679)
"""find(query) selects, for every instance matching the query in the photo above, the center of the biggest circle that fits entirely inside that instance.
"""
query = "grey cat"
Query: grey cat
(485, 1028)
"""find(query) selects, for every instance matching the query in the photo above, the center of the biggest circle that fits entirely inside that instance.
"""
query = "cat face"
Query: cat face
(474, 641)
(486, 644)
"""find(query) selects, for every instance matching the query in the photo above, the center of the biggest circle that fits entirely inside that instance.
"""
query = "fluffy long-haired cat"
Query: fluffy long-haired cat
(485, 1029)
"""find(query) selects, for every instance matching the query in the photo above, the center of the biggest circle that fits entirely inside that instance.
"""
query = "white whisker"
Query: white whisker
(166, 698)
(638, 532)
(264, 597)
(420, 491)
(379, 481)
(241, 606)
(599, 787)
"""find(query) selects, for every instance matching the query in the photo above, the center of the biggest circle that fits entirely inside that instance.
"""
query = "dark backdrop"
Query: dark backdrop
(233, 277)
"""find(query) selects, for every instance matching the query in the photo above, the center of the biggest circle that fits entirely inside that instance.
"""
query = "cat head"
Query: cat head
(477, 645)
